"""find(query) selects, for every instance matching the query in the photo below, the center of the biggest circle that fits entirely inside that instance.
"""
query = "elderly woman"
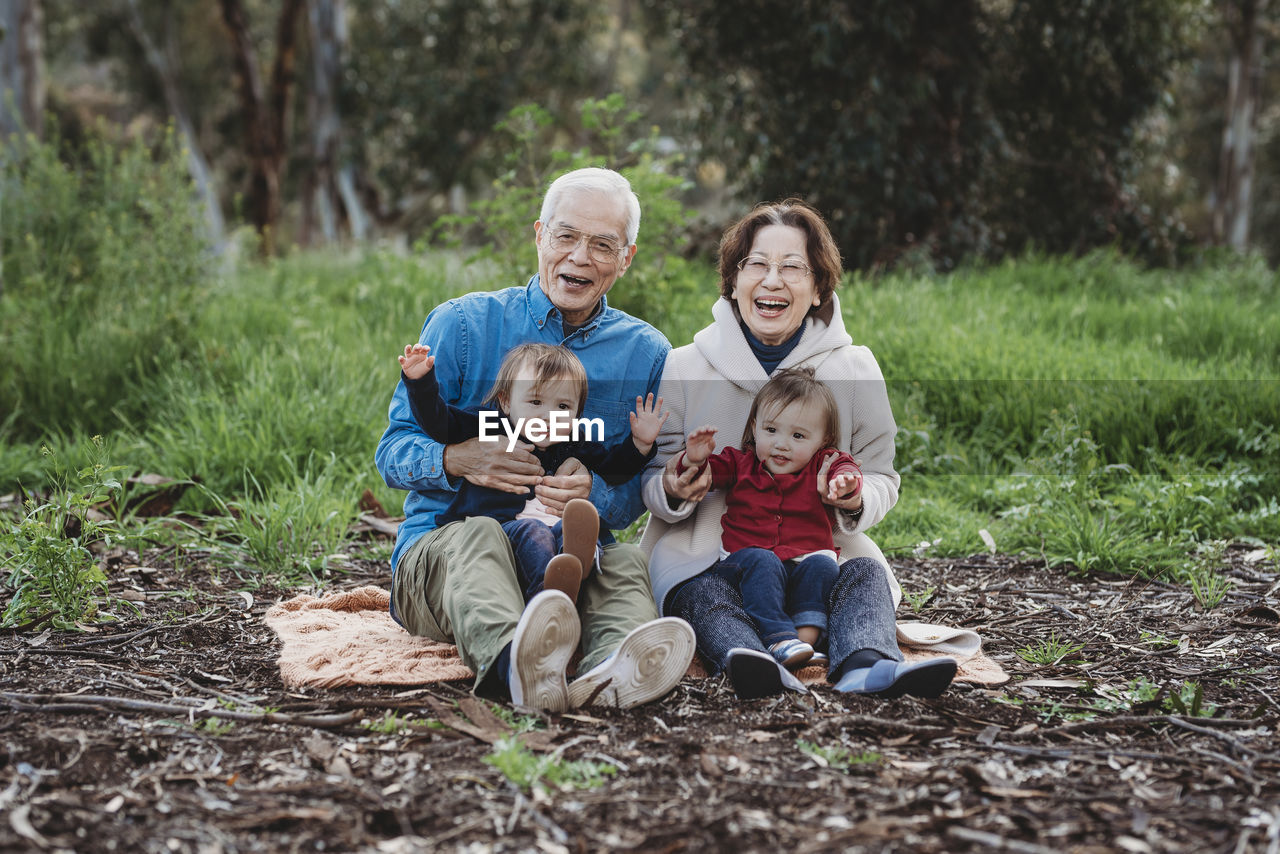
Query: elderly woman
(779, 268)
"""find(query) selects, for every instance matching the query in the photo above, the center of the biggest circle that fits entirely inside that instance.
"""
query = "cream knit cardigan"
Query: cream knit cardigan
(713, 382)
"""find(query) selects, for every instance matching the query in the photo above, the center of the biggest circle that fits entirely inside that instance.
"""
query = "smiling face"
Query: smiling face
(530, 398)
(787, 438)
(773, 309)
(574, 279)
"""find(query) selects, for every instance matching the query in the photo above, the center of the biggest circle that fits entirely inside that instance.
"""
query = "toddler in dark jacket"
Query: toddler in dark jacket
(538, 398)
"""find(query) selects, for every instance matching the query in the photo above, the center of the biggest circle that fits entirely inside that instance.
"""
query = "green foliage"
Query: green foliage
(1050, 650)
(290, 529)
(917, 599)
(52, 571)
(391, 723)
(838, 757)
(659, 286)
(932, 137)
(1189, 700)
(214, 726)
(104, 274)
(425, 81)
(527, 769)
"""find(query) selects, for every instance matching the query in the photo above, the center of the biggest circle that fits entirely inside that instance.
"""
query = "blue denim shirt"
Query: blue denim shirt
(469, 336)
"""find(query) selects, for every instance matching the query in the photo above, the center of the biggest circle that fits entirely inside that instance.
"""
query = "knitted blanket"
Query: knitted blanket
(349, 638)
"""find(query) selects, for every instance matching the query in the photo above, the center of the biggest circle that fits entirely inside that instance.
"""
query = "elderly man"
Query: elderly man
(457, 582)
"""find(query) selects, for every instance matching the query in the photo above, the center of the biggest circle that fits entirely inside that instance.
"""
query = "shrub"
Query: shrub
(103, 272)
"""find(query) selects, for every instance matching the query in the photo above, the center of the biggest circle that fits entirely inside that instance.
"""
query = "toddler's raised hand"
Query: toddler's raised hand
(417, 361)
(844, 485)
(646, 421)
(699, 445)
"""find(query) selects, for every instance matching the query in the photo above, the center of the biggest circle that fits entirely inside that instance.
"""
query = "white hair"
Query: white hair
(595, 180)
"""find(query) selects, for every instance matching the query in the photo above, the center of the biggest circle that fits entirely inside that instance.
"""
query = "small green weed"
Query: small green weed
(1050, 650)
(1210, 587)
(390, 723)
(52, 571)
(1189, 700)
(215, 727)
(1156, 639)
(917, 599)
(838, 757)
(527, 769)
(518, 723)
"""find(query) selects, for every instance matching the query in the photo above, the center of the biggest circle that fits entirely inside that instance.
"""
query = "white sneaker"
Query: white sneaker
(648, 663)
(545, 640)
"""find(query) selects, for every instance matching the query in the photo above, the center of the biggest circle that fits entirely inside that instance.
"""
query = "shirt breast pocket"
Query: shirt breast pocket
(607, 421)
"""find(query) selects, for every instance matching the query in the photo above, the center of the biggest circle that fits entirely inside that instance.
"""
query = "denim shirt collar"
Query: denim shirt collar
(542, 309)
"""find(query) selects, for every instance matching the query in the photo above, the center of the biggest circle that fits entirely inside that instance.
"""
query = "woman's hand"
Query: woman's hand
(687, 486)
(490, 464)
(571, 480)
(836, 491)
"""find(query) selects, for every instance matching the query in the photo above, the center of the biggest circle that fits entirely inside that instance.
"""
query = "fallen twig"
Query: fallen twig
(99, 703)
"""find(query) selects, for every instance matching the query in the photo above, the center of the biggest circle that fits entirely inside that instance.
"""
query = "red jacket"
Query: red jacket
(781, 513)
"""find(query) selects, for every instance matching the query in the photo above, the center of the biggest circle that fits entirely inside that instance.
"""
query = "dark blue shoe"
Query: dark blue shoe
(755, 674)
(892, 679)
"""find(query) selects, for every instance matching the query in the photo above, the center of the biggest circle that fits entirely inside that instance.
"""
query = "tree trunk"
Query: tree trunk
(164, 65)
(22, 83)
(1234, 194)
(265, 114)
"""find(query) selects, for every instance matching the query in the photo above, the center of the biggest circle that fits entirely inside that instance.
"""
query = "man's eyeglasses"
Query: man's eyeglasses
(601, 249)
(754, 268)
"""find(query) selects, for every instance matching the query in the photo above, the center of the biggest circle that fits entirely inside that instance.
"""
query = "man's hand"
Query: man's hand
(699, 445)
(571, 480)
(646, 421)
(490, 464)
(837, 491)
(417, 361)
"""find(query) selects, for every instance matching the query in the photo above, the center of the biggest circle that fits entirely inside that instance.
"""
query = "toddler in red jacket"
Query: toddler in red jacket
(776, 546)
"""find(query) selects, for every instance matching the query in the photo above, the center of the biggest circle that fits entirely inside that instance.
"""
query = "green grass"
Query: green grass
(1101, 416)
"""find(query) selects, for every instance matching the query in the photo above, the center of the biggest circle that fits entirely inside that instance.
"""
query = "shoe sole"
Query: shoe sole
(755, 674)
(581, 532)
(564, 573)
(928, 681)
(753, 677)
(648, 663)
(545, 639)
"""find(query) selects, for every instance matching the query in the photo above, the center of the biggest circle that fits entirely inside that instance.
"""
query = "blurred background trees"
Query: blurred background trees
(928, 133)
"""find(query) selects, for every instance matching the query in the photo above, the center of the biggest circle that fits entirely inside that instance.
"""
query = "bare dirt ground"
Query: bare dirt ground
(172, 732)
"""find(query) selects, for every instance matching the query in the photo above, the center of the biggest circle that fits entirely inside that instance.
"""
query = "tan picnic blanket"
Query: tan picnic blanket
(349, 638)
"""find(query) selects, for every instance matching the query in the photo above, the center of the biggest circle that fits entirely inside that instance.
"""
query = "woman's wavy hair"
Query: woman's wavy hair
(820, 246)
(785, 388)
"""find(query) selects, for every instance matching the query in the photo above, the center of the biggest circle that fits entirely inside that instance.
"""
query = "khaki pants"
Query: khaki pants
(457, 584)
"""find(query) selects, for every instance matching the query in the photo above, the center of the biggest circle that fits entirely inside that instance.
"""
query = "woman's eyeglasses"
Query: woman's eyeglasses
(754, 268)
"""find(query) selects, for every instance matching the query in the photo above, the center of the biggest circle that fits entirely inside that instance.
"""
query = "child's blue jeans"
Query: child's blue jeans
(534, 543)
(780, 595)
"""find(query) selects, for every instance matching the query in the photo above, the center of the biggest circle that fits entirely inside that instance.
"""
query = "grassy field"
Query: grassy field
(1086, 410)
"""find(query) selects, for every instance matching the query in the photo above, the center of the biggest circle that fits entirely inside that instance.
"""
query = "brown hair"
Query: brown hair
(820, 246)
(785, 388)
(549, 363)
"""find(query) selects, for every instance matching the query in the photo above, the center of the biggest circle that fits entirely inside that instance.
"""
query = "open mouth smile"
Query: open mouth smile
(574, 281)
(770, 307)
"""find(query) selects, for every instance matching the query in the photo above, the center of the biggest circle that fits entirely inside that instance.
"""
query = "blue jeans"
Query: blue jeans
(779, 595)
(534, 543)
(860, 616)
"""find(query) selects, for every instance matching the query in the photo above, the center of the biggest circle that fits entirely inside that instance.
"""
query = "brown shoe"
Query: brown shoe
(581, 527)
(564, 573)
